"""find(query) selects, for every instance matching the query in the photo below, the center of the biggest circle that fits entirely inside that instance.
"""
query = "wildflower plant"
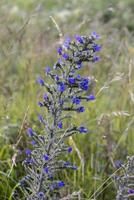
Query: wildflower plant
(125, 182)
(64, 93)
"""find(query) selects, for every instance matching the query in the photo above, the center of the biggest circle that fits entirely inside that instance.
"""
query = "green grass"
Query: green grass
(28, 39)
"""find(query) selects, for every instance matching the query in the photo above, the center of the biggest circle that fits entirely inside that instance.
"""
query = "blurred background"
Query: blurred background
(30, 32)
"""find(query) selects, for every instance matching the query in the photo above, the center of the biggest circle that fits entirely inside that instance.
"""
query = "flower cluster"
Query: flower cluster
(125, 182)
(64, 93)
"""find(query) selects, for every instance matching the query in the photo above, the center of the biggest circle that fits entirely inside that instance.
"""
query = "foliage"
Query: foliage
(28, 37)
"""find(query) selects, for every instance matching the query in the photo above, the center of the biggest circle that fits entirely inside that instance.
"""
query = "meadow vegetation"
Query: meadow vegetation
(29, 35)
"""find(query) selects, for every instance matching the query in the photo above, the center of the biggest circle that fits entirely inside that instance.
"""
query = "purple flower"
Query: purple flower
(40, 194)
(69, 149)
(66, 164)
(96, 58)
(45, 96)
(61, 87)
(33, 142)
(59, 50)
(79, 64)
(96, 47)
(50, 177)
(28, 161)
(81, 109)
(66, 44)
(74, 167)
(40, 104)
(79, 39)
(65, 56)
(45, 170)
(47, 69)
(40, 81)
(30, 132)
(61, 184)
(40, 118)
(118, 164)
(56, 77)
(91, 97)
(76, 100)
(71, 80)
(84, 84)
(82, 129)
(78, 77)
(60, 125)
(59, 61)
(95, 35)
(45, 157)
(28, 152)
(131, 191)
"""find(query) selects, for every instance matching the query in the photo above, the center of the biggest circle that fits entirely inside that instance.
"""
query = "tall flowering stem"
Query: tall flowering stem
(64, 92)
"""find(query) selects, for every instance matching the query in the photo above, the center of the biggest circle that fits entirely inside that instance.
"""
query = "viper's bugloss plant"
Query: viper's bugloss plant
(64, 93)
(125, 182)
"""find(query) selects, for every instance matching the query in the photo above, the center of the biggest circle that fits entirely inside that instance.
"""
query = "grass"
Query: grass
(28, 39)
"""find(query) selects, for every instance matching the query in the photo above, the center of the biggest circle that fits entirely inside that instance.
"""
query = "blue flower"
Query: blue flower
(66, 44)
(40, 81)
(47, 69)
(33, 142)
(76, 100)
(96, 58)
(71, 80)
(40, 194)
(40, 118)
(59, 50)
(131, 191)
(78, 77)
(45, 170)
(84, 84)
(50, 177)
(40, 104)
(82, 129)
(61, 184)
(28, 152)
(66, 164)
(96, 47)
(61, 87)
(74, 167)
(45, 96)
(79, 39)
(30, 132)
(69, 149)
(28, 161)
(60, 125)
(81, 109)
(65, 56)
(118, 164)
(56, 77)
(45, 157)
(79, 66)
(95, 35)
(91, 97)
